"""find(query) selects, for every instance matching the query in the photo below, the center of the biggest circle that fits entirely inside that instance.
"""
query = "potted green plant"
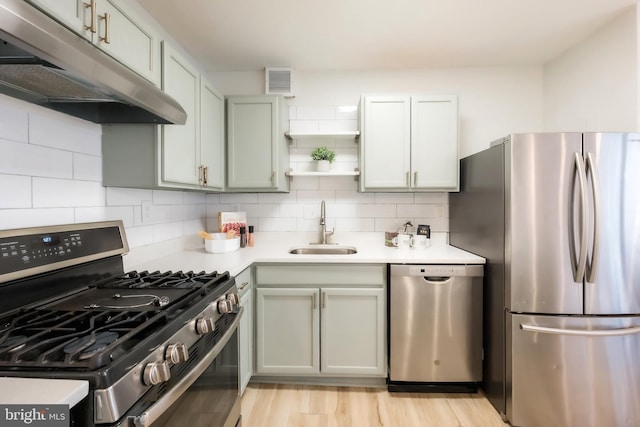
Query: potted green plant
(324, 157)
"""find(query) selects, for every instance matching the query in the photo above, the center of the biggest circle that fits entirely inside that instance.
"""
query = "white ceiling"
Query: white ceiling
(244, 35)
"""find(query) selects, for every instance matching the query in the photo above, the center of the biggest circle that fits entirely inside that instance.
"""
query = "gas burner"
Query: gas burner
(90, 344)
(13, 344)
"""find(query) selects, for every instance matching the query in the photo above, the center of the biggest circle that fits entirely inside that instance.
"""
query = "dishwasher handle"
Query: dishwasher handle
(436, 279)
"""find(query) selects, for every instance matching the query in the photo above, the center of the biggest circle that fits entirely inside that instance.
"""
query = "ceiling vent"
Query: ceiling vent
(279, 81)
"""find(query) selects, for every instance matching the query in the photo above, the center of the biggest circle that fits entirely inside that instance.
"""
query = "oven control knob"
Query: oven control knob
(225, 306)
(176, 353)
(234, 298)
(205, 325)
(156, 373)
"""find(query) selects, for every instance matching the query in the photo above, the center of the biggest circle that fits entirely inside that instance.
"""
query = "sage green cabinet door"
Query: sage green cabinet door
(246, 339)
(385, 142)
(409, 143)
(434, 143)
(70, 13)
(126, 39)
(287, 331)
(257, 152)
(212, 152)
(110, 26)
(180, 158)
(353, 331)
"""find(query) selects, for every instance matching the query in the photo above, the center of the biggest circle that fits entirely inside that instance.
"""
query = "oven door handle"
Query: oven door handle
(160, 407)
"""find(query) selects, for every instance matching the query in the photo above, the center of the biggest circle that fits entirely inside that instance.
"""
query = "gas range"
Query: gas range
(68, 311)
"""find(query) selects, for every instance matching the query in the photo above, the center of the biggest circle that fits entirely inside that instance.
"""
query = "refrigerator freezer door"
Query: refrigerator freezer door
(576, 371)
(541, 176)
(614, 286)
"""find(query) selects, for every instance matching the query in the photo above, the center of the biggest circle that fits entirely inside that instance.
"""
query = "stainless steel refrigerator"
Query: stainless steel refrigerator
(557, 216)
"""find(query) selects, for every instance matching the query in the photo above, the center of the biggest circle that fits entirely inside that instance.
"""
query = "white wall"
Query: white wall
(594, 85)
(493, 101)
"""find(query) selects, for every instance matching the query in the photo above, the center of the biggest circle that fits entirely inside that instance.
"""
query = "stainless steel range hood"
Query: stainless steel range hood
(43, 62)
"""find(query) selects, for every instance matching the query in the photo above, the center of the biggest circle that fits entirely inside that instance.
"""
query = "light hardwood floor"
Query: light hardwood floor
(277, 405)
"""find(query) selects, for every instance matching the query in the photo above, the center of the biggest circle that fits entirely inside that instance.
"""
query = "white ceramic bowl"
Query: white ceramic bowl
(221, 246)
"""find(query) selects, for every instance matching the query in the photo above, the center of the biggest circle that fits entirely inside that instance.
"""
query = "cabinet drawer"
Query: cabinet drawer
(321, 274)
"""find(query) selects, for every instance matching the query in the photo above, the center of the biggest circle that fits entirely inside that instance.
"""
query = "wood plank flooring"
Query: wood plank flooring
(279, 405)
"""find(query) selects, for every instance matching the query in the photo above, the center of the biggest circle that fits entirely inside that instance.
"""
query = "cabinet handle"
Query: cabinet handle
(415, 179)
(107, 24)
(92, 6)
(324, 300)
(243, 285)
(200, 174)
(205, 179)
(408, 179)
(314, 301)
(273, 179)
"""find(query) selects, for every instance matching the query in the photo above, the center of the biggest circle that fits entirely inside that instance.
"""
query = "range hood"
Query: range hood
(43, 62)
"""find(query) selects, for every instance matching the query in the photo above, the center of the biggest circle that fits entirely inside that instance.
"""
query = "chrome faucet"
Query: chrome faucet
(323, 223)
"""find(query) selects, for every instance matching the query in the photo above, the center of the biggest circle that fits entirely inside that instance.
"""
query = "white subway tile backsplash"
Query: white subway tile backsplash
(127, 196)
(316, 113)
(193, 198)
(87, 168)
(291, 210)
(303, 126)
(330, 126)
(384, 198)
(277, 224)
(105, 213)
(15, 191)
(347, 112)
(165, 197)
(306, 197)
(14, 125)
(426, 211)
(55, 130)
(139, 236)
(167, 231)
(431, 198)
(25, 159)
(53, 193)
(236, 199)
(261, 210)
(19, 218)
(377, 211)
(355, 224)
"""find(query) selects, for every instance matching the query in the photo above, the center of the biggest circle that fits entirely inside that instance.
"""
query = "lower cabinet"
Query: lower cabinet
(245, 290)
(336, 329)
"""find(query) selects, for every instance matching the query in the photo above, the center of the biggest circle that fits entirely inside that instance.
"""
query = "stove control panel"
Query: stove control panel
(156, 373)
(30, 251)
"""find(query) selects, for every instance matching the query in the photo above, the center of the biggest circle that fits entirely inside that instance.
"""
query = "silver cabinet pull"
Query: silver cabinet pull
(408, 179)
(205, 179)
(243, 285)
(273, 179)
(324, 300)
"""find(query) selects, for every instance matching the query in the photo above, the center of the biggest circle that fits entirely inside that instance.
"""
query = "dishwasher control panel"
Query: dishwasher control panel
(437, 270)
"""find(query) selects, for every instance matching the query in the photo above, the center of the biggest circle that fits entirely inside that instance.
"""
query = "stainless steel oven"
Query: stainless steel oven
(156, 348)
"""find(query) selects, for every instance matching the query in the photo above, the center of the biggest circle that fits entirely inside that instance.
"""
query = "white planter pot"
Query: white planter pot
(323, 166)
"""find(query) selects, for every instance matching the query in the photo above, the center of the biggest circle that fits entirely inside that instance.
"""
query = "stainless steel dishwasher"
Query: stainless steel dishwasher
(435, 328)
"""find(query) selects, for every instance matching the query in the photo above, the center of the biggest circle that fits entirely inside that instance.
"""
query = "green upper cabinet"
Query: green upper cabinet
(212, 144)
(115, 27)
(257, 151)
(189, 156)
(409, 143)
(180, 143)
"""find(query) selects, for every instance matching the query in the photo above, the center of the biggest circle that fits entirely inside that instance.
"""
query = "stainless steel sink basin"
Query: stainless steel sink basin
(323, 250)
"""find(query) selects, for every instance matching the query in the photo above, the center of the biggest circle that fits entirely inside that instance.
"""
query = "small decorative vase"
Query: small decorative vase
(323, 166)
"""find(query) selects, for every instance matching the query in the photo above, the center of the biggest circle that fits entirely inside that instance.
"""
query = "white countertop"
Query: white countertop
(34, 391)
(271, 247)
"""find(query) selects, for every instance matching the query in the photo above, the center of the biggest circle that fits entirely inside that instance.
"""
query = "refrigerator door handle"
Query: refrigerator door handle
(592, 263)
(582, 332)
(578, 265)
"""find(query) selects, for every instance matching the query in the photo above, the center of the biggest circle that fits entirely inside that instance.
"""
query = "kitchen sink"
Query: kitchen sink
(323, 250)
